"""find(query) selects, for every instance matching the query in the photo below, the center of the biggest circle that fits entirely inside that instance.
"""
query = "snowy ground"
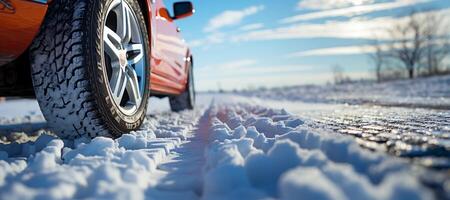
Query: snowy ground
(230, 147)
(417, 133)
(430, 92)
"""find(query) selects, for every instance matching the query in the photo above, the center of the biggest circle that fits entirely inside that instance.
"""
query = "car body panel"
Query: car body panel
(169, 54)
(20, 22)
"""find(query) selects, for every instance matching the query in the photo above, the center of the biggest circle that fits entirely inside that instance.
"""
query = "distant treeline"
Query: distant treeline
(417, 46)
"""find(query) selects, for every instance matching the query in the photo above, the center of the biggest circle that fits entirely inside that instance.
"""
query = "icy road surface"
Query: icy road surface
(232, 147)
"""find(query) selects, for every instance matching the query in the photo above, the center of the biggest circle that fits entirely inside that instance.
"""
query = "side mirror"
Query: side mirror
(182, 9)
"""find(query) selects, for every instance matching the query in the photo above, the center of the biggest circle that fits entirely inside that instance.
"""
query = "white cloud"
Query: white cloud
(359, 49)
(353, 29)
(331, 51)
(330, 4)
(212, 38)
(250, 27)
(236, 64)
(351, 11)
(359, 28)
(231, 17)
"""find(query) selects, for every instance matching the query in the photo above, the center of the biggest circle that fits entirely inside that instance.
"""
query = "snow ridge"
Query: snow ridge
(50, 168)
(259, 153)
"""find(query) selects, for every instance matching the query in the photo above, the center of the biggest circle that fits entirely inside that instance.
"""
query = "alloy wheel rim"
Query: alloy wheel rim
(125, 57)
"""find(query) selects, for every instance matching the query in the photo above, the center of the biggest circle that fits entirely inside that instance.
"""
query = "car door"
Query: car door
(169, 51)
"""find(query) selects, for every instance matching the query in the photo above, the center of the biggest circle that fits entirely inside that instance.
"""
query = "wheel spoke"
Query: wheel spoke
(111, 43)
(136, 50)
(133, 86)
(118, 84)
(124, 29)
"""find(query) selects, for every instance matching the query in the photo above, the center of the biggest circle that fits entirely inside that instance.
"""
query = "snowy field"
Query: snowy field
(431, 92)
(233, 147)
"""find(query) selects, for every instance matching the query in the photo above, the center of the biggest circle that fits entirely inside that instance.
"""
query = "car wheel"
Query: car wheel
(185, 100)
(90, 67)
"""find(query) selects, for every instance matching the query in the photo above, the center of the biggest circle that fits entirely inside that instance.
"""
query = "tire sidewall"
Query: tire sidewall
(119, 121)
(191, 85)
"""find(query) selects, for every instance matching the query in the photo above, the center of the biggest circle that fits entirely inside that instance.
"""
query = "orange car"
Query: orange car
(92, 64)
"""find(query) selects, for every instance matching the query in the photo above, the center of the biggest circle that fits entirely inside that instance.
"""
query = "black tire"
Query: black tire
(69, 74)
(186, 100)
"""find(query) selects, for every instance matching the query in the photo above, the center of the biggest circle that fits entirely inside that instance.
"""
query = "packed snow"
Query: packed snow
(421, 134)
(263, 153)
(229, 147)
(407, 118)
(50, 168)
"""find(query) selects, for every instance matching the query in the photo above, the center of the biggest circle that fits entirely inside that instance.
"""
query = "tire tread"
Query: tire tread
(61, 78)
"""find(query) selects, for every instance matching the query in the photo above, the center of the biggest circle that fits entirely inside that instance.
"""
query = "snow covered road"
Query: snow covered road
(230, 147)
(418, 133)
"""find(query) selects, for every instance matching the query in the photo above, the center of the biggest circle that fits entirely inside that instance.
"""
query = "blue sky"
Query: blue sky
(251, 43)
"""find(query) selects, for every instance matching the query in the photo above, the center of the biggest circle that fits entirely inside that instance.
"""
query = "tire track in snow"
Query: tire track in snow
(180, 176)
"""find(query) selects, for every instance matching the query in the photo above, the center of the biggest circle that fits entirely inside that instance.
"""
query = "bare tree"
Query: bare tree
(410, 40)
(339, 76)
(419, 42)
(437, 43)
(378, 59)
